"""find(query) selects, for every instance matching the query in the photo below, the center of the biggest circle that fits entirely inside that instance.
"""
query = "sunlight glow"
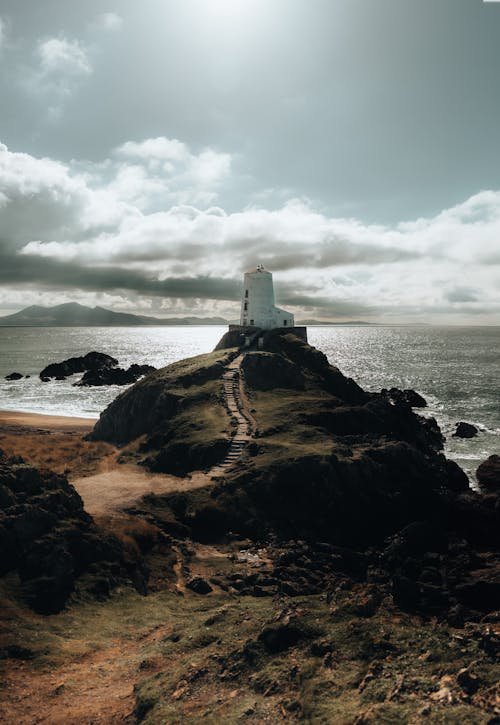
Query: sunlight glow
(231, 12)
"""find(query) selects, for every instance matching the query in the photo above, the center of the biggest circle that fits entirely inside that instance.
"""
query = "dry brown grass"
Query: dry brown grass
(136, 534)
(62, 452)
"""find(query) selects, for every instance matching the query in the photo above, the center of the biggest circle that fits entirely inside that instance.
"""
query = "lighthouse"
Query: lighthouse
(257, 302)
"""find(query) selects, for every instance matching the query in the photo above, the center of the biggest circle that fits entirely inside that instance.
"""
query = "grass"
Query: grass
(193, 658)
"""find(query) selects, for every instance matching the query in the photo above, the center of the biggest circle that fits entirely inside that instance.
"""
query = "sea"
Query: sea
(457, 369)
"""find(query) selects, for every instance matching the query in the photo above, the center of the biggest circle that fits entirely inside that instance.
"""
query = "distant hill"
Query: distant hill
(73, 314)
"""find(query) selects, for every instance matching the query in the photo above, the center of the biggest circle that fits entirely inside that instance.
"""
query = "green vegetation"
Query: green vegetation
(211, 658)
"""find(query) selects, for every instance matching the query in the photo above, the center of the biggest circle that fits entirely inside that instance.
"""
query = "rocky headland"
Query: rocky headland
(318, 560)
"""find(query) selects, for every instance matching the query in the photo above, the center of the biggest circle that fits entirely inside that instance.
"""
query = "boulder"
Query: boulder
(48, 539)
(13, 376)
(488, 473)
(409, 398)
(114, 376)
(457, 478)
(281, 636)
(90, 361)
(199, 585)
(465, 430)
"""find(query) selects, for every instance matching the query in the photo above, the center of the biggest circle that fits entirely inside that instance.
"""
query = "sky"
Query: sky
(151, 152)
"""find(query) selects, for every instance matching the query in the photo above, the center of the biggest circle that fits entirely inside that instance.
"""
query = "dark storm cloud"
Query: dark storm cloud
(22, 270)
(277, 256)
(26, 269)
(331, 252)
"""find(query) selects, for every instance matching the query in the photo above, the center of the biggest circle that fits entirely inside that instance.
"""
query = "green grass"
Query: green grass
(210, 664)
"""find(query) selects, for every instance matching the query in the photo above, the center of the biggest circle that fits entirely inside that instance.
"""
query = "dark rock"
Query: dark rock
(48, 538)
(114, 376)
(179, 457)
(199, 585)
(415, 540)
(468, 681)
(480, 594)
(457, 478)
(14, 376)
(90, 361)
(321, 647)
(405, 593)
(408, 398)
(488, 473)
(280, 637)
(465, 430)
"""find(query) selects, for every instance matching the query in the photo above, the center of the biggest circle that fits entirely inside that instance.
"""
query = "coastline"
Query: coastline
(45, 420)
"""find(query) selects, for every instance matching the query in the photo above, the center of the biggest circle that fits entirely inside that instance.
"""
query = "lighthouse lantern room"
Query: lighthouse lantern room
(257, 302)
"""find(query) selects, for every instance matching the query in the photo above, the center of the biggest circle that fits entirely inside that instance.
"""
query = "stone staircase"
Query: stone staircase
(239, 415)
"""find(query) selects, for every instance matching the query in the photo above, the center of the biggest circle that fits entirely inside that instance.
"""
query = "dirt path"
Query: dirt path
(95, 687)
(117, 489)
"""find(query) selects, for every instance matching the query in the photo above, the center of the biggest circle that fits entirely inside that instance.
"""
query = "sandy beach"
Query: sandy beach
(47, 422)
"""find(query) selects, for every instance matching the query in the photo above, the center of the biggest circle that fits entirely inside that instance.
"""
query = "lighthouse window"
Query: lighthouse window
(246, 293)
(245, 306)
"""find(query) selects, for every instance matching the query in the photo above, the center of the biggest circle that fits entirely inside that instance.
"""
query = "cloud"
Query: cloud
(3, 32)
(61, 66)
(140, 223)
(195, 177)
(154, 149)
(462, 294)
(110, 21)
(42, 198)
(62, 56)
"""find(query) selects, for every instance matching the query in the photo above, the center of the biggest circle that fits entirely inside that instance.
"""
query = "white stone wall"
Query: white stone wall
(257, 302)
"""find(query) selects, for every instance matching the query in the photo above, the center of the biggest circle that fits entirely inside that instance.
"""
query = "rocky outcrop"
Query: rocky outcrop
(14, 376)
(51, 542)
(465, 430)
(488, 474)
(362, 474)
(91, 361)
(179, 413)
(114, 376)
(406, 397)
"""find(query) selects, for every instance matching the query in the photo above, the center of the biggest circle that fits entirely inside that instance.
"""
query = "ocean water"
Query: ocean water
(457, 369)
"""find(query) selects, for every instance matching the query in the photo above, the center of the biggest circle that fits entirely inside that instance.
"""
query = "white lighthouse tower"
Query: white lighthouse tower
(257, 302)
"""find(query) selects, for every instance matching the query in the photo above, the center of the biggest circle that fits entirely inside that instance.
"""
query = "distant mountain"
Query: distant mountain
(72, 314)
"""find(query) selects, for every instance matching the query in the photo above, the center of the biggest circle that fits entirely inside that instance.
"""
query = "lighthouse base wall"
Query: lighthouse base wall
(254, 337)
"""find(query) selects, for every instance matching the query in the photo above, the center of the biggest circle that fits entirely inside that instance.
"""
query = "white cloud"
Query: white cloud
(62, 56)
(61, 66)
(184, 177)
(140, 210)
(154, 149)
(110, 21)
